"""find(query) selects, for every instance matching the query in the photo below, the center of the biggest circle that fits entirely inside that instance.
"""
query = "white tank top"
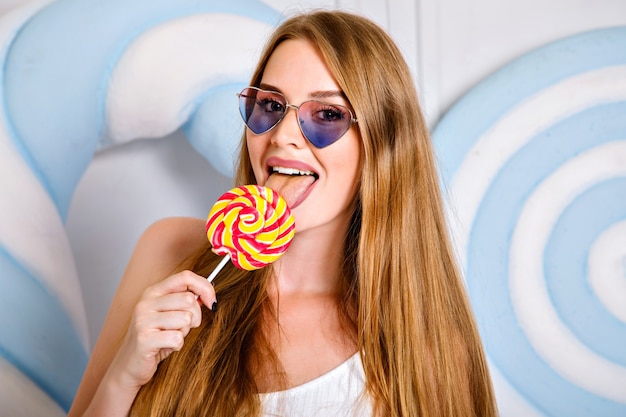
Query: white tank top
(338, 393)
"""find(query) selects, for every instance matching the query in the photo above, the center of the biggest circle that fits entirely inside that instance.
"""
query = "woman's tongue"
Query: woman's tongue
(291, 187)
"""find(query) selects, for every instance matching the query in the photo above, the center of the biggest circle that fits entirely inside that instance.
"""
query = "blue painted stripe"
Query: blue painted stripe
(37, 336)
(211, 129)
(20, 147)
(566, 269)
(493, 98)
(58, 68)
(488, 261)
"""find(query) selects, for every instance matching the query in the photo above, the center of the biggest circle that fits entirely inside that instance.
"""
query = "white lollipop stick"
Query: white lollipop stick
(218, 268)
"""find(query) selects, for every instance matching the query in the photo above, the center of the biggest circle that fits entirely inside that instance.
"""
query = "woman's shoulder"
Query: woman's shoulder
(168, 242)
(174, 236)
(176, 231)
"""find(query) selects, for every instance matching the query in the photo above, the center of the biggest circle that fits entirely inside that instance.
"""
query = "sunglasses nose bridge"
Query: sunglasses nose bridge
(291, 106)
(295, 108)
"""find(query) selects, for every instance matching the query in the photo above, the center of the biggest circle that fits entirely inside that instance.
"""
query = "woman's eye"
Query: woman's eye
(270, 105)
(331, 114)
(276, 106)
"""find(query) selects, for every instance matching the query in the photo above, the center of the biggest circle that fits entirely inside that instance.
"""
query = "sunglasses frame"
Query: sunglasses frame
(297, 108)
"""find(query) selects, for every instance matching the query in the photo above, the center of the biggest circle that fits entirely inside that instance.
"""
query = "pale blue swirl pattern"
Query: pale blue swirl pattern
(76, 78)
(534, 161)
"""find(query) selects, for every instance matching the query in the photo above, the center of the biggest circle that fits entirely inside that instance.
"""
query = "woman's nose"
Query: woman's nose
(288, 132)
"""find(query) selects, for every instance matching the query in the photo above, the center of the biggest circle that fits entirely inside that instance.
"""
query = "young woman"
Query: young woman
(365, 314)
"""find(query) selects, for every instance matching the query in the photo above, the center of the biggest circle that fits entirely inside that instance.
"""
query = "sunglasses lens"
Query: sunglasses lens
(323, 124)
(261, 110)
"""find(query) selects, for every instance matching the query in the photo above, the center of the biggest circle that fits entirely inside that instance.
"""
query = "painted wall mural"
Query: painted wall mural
(534, 159)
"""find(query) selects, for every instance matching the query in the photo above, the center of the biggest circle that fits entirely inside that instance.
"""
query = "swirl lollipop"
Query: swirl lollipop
(251, 225)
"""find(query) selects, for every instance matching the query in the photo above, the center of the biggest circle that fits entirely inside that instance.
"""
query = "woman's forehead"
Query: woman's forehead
(297, 70)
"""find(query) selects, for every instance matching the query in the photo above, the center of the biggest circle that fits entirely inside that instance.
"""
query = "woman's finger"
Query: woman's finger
(156, 341)
(175, 301)
(185, 281)
(166, 320)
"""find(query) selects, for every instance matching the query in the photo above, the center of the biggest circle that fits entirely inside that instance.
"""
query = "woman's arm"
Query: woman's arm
(150, 314)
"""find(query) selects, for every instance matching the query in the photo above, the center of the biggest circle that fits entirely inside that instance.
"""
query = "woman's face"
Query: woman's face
(324, 195)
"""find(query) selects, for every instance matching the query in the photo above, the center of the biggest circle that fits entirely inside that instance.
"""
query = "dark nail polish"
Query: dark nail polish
(214, 306)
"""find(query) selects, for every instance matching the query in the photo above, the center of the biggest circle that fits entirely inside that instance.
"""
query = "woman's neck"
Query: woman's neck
(312, 264)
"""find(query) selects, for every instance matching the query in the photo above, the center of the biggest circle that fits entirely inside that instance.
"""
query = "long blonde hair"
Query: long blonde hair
(420, 347)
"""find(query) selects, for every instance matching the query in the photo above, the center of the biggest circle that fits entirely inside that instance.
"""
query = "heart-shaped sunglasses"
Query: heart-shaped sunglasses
(321, 123)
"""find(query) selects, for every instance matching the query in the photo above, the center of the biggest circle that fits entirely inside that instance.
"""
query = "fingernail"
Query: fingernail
(214, 306)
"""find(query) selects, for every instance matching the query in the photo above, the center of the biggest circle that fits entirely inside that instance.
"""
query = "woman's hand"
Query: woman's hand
(161, 319)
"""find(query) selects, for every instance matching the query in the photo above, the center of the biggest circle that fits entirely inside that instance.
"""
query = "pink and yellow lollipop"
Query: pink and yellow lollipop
(250, 224)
